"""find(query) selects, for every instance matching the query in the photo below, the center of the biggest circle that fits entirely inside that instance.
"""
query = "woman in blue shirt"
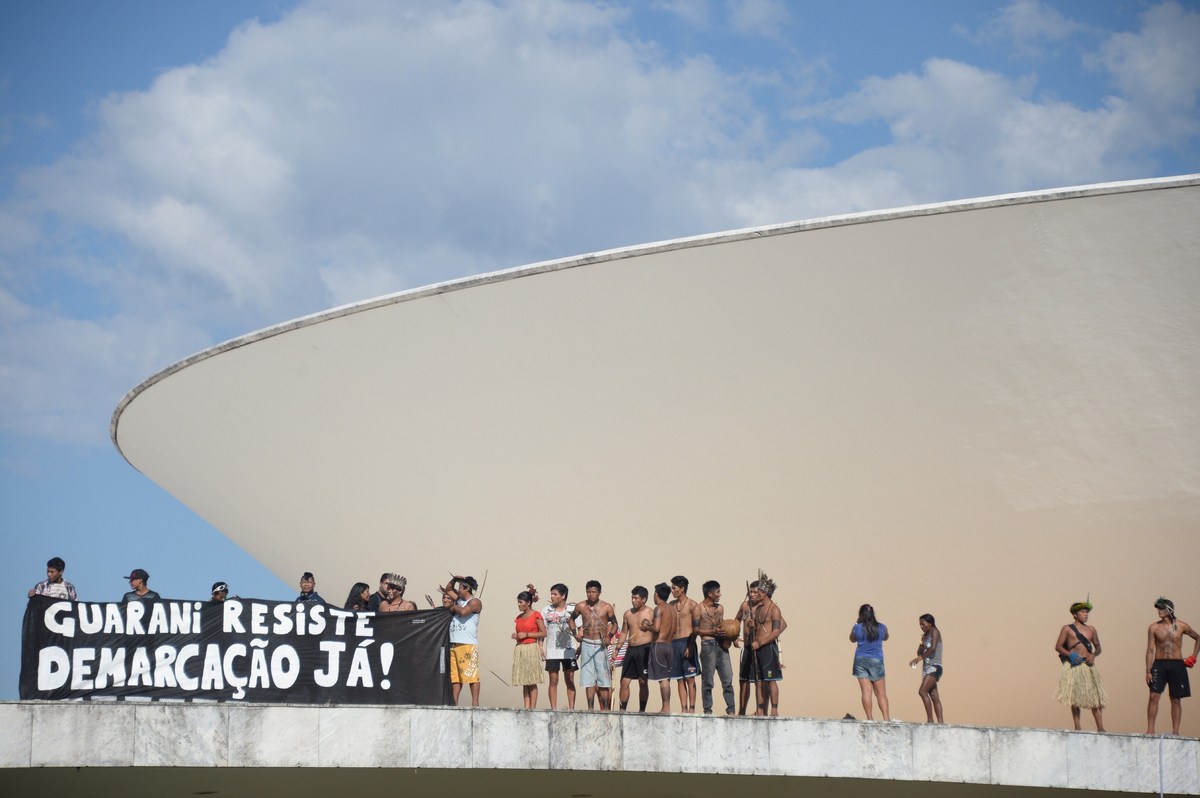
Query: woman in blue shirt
(868, 636)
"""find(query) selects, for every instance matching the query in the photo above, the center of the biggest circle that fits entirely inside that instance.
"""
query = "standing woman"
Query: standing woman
(929, 653)
(359, 598)
(868, 635)
(527, 669)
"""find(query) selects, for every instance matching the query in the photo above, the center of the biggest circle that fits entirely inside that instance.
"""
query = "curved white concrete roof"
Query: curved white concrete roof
(983, 410)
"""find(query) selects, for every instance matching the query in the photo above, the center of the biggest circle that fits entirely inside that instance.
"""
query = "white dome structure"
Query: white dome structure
(985, 410)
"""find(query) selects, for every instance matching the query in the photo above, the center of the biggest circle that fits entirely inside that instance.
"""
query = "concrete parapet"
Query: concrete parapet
(95, 737)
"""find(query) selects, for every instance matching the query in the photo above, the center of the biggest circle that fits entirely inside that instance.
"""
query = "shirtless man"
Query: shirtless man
(687, 661)
(662, 650)
(394, 600)
(1078, 645)
(714, 654)
(637, 657)
(1165, 665)
(598, 622)
(746, 674)
(768, 625)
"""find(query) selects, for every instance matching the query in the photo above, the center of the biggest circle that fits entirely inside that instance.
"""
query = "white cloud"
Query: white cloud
(61, 377)
(1157, 70)
(1030, 27)
(355, 149)
(693, 12)
(758, 17)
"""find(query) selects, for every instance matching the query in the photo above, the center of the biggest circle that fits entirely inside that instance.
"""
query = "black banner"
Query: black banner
(238, 650)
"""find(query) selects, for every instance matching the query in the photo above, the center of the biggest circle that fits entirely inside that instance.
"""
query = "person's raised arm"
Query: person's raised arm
(472, 606)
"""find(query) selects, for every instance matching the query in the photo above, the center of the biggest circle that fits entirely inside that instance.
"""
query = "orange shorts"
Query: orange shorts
(464, 663)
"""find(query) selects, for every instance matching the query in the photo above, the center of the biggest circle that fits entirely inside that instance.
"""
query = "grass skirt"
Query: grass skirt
(527, 665)
(1081, 686)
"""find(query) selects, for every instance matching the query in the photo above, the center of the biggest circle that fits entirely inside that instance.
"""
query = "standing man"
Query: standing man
(687, 663)
(464, 636)
(137, 588)
(54, 585)
(637, 657)
(714, 651)
(394, 600)
(599, 621)
(747, 667)
(768, 625)
(379, 595)
(308, 589)
(1165, 665)
(560, 644)
(1078, 645)
(662, 649)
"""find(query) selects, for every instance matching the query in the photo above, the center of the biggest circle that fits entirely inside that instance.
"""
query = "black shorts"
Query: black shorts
(637, 662)
(768, 663)
(568, 665)
(746, 666)
(1170, 673)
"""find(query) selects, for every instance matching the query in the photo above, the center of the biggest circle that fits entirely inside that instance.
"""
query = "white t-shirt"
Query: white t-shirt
(560, 641)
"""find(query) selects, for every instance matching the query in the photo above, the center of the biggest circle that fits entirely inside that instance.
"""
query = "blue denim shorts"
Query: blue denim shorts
(868, 668)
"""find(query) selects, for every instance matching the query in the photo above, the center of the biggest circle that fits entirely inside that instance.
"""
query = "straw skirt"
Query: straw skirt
(1081, 686)
(527, 665)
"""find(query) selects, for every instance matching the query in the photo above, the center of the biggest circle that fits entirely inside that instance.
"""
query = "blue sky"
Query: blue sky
(176, 174)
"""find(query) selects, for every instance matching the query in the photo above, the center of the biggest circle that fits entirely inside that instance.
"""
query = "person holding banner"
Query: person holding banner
(137, 588)
(308, 589)
(395, 601)
(381, 594)
(359, 598)
(54, 585)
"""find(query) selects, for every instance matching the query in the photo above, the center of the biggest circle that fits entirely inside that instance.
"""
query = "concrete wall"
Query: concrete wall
(883, 757)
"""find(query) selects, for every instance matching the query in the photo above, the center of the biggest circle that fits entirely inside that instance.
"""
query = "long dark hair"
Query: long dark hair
(866, 617)
(354, 600)
(927, 618)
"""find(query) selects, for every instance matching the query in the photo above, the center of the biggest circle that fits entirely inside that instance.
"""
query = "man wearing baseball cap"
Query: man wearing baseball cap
(137, 587)
(1165, 665)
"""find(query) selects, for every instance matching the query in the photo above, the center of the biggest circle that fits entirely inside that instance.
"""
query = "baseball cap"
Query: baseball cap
(220, 587)
(137, 573)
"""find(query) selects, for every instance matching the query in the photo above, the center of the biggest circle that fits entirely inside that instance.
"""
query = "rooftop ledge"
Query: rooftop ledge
(238, 749)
